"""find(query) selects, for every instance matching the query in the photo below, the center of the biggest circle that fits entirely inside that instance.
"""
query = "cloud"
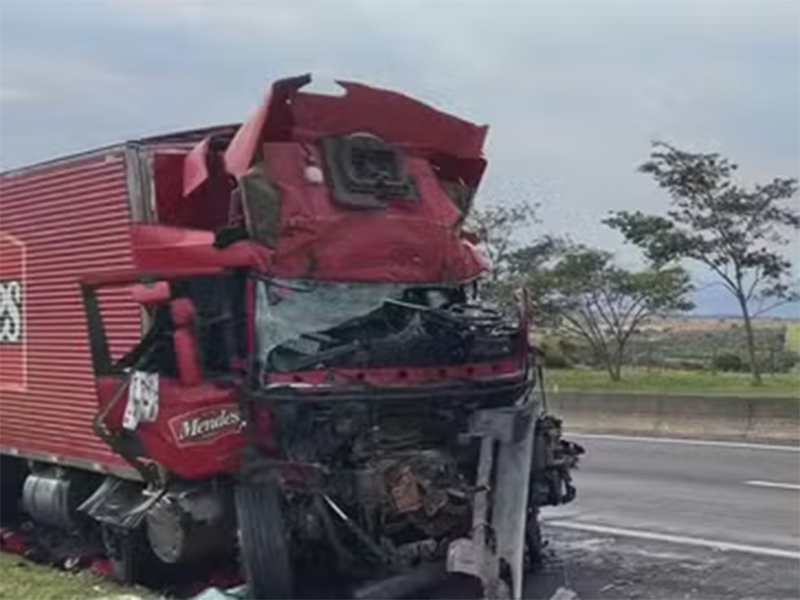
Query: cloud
(574, 91)
(52, 80)
(10, 95)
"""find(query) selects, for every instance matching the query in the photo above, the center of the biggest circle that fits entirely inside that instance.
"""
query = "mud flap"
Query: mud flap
(495, 552)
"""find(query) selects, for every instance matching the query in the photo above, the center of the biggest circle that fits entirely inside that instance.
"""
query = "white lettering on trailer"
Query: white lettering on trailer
(10, 312)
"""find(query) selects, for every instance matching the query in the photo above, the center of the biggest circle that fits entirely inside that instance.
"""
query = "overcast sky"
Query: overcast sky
(573, 91)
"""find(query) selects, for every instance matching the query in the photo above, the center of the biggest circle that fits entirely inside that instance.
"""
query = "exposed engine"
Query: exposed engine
(402, 473)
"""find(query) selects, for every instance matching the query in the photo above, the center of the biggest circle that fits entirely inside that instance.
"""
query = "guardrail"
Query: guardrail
(712, 417)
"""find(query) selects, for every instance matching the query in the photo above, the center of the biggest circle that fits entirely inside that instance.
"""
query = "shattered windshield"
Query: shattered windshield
(312, 325)
(288, 310)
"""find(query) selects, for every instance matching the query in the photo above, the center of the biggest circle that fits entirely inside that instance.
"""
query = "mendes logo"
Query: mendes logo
(13, 335)
(206, 425)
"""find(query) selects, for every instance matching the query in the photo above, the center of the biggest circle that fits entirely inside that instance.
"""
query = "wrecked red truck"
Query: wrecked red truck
(267, 341)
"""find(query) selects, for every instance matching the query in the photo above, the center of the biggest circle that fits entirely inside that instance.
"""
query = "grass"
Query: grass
(673, 382)
(20, 579)
(793, 337)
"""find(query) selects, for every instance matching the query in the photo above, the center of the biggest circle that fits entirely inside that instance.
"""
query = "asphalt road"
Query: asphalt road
(676, 519)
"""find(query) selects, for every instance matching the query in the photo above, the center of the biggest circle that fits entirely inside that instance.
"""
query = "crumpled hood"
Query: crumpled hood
(289, 186)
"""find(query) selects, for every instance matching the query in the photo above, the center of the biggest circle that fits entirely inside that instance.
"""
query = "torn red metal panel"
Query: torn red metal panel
(195, 167)
(176, 251)
(406, 122)
(414, 241)
(410, 124)
(272, 121)
(208, 204)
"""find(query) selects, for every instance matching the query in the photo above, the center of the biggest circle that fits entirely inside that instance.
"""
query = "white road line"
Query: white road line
(676, 539)
(681, 441)
(774, 484)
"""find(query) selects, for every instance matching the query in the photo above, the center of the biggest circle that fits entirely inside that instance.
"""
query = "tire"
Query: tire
(263, 548)
(132, 562)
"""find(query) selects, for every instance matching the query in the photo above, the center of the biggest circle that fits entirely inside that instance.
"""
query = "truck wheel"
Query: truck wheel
(263, 548)
(129, 555)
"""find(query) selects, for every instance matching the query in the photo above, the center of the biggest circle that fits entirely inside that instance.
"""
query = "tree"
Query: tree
(529, 268)
(605, 304)
(496, 227)
(733, 230)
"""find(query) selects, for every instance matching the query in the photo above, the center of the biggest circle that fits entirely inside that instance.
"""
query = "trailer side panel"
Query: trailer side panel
(59, 221)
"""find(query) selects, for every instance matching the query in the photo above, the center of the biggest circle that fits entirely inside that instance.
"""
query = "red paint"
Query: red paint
(151, 295)
(415, 241)
(87, 218)
(288, 115)
(14, 541)
(74, 220)
(273, 120)
(102, 568)
(176, 251)
(408, 241)
(72, 217)
(189, 458)
(184, 436)
(401, 377)
(206, 206)
(195, 167)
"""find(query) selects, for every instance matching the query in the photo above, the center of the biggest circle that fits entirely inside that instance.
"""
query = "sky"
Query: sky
(573, 91)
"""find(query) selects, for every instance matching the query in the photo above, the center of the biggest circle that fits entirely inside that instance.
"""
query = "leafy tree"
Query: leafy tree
(735, 231)
(604, 304)
(496, 228)
(529, 267)
(535, 256)
(515, 266)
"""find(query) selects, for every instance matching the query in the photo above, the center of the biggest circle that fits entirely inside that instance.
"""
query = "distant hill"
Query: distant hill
(717, 302)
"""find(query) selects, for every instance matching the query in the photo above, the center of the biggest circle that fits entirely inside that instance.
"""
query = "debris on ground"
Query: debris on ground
(215, 593)
(564, 593)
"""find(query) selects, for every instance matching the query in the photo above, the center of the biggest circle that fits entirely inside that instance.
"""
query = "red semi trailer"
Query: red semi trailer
(265, 339)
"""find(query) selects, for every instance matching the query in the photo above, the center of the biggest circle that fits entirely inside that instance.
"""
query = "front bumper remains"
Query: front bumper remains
(494, 553)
